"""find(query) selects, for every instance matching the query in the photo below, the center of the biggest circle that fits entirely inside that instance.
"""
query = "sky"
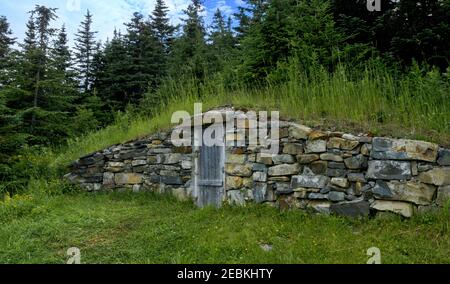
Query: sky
(107, 14)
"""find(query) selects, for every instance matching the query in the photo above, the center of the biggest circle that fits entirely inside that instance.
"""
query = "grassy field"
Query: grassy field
(144, 228)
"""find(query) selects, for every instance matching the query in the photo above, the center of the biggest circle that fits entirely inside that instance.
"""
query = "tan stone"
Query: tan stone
(403, 208)
(318, 135)
(341, 182)
(343, 144)
(239, 170)
(443, 195)
(264, 159)
(128, 178)
(437, 176)
(293, 149)
(236, 159)
(234, 182)
(298, 131)
(308, 158)
(284, 170)
(331, 157)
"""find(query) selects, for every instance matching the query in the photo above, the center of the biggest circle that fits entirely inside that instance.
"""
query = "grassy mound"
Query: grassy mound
(144, 228)
(414, 105)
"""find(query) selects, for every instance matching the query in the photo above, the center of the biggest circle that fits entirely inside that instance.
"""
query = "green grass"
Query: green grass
(415, 105)
(145, 228)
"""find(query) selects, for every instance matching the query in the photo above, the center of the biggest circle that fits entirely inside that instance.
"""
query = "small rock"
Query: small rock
(343, 144)
(236, 159)
(239, 170)
(283, 159)
(284, 170)
(293, 149)
(356, 177)
(260, 176)
(264, 159)
(356, 163)
(234, 182)
(297, 131)
(128, 178)
(336, 196)
(331, 157)
(307, 158)
(316, 146)
(341, 182)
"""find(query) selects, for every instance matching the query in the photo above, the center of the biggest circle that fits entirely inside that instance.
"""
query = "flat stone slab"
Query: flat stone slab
(357, 208)
(415, 192)
(309, 181)
(401, 149)
(436, 176)
(284, 170)
(403, 208)
(389, 170)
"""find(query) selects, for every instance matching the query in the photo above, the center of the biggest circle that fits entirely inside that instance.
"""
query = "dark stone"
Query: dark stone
(356, 177)
(336, 196)
(171, 180)
(356, 163)
(260, 192)
(389, 170)
(357, 208)
(318, 168)
(259, 168)
(335, 165)
(97, 178)
(444, 157)
(381, 190)
(283, 189)
(336, 173)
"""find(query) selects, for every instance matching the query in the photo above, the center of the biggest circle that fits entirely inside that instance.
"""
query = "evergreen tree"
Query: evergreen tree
(222, 40)
(84, 52)
(160, 23)
(6, 41)
(190, 50)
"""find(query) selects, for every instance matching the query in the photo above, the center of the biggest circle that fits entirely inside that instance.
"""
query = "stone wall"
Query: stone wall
(329, 172)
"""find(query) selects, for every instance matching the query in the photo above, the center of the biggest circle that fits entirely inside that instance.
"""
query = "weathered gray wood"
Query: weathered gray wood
(210, 179)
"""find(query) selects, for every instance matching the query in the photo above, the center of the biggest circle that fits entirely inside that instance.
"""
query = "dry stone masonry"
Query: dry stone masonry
(327, 172)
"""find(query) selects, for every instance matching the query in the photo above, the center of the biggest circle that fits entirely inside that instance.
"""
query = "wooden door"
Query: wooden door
(210, 176)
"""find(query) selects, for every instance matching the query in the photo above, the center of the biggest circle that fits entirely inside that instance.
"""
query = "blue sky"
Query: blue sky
(108, 14)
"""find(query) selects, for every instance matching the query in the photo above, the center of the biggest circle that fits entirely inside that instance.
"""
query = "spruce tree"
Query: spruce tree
(160, 23)
(6, 42)
(222, 40)
(84, 52)
(190, 50)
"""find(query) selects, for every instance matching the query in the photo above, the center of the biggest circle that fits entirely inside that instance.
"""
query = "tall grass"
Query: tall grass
(414, 105)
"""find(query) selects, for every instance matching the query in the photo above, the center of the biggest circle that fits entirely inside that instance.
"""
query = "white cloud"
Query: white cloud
(107, 14)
